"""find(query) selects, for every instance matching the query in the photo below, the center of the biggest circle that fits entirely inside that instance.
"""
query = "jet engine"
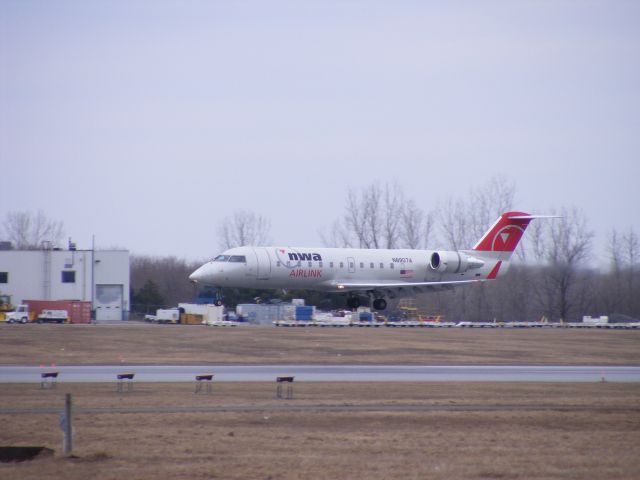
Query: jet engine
(453, 262)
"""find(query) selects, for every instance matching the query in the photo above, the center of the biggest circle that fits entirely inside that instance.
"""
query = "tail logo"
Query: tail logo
(507, 238)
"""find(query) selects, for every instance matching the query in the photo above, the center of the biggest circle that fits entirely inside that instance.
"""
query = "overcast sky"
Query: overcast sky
(146, 122)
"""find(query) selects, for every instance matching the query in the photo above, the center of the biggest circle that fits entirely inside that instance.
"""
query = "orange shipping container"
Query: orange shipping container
(191, 319)
(78, 311)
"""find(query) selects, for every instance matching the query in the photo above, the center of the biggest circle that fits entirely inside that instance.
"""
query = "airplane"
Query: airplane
(378, 273)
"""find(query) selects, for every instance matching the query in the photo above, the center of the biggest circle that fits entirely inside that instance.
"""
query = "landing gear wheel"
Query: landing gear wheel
(219, 297)
(353, 302)
(379, 304)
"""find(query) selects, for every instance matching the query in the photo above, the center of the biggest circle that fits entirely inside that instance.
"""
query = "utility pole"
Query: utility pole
(93, 278)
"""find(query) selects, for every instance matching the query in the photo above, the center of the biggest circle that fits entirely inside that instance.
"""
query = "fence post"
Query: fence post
(68, 425)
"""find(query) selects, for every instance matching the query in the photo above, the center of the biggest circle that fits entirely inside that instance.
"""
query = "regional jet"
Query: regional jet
(378, 273)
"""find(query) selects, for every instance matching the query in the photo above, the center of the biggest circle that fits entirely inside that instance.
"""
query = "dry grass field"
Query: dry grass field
(329, 430)
(415, 431)
(178, 344)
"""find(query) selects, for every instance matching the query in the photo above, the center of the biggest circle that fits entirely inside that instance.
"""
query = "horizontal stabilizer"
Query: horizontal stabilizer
(532, 217)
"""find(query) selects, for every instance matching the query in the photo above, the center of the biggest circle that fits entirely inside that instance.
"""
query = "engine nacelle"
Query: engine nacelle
(453, 262)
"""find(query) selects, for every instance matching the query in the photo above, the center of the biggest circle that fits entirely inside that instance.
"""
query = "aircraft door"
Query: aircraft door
(351, 263)
(263, 272)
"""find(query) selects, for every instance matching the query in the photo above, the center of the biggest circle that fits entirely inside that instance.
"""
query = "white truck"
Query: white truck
(53, 316)
(164, 315)
(19, 315)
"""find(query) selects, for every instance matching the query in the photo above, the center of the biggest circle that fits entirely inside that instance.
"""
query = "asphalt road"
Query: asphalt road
(321, 373)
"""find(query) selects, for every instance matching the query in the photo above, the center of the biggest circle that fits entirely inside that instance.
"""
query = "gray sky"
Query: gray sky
(146, 122)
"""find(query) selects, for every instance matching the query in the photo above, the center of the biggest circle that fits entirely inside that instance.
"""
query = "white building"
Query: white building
(100, 277)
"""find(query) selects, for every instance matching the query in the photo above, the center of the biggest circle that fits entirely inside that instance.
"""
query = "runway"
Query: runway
(332, 373)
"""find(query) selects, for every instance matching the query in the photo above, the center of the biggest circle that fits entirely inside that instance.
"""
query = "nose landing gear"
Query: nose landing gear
(219, 297)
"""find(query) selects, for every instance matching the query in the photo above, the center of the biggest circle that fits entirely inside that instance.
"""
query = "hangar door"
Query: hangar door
(108, 302)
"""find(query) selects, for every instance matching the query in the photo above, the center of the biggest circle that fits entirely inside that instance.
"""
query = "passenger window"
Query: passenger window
(361, 264)
(288, 263)
(391, 265)
(351, 264)
(320, 264)
(371, 265)
(310, 264)
(381, 265)
(278, 263)
(330, 264)
(341, 264)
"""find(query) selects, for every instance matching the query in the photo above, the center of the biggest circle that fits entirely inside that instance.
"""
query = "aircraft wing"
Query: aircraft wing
(419, 286)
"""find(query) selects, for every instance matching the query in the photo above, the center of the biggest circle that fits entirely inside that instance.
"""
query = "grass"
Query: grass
(171, 344)
(408, 430)
(584, 431)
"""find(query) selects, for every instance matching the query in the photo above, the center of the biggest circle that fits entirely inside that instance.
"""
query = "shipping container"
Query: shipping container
(304, 313)
(79, 312)
(261, 314)
(191, 319)
(266, 314)
(214, 315)
(193, 308)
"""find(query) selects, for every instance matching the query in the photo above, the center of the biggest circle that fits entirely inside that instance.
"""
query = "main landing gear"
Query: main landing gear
(353, 302)
(379, 304)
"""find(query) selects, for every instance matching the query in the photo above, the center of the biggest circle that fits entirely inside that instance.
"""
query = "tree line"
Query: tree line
(553, 275)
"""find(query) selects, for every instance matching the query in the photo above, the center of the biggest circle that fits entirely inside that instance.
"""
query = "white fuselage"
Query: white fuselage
(325, 269)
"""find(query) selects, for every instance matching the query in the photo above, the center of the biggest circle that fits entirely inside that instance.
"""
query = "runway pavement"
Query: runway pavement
(333, 373)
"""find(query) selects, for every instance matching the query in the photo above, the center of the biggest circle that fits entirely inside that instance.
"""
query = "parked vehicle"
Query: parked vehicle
(167, 315)
(5, 303)
(53, 316)
(19, 315)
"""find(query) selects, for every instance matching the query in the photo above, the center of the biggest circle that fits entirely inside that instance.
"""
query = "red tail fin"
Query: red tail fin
(505, 234)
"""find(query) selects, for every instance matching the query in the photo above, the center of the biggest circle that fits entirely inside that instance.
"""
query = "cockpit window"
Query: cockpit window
(238, 259)
(221, 258)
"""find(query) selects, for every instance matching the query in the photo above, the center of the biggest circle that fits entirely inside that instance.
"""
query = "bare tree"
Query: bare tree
(565, 245)
(393, 208)
(355, 219)
(619, 289)
(631, 248)
(489, 201)
(453, 220)
(612, 292)
(373, 216)
(413, 220)
(337, 236)
(169, 274)
(463, 222)
(28, 230)
(243, 228)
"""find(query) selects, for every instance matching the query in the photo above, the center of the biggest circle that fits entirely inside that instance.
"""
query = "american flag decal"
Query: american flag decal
(406, 273)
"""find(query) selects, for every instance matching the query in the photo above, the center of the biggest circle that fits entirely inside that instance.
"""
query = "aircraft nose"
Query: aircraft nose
(198, 275)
